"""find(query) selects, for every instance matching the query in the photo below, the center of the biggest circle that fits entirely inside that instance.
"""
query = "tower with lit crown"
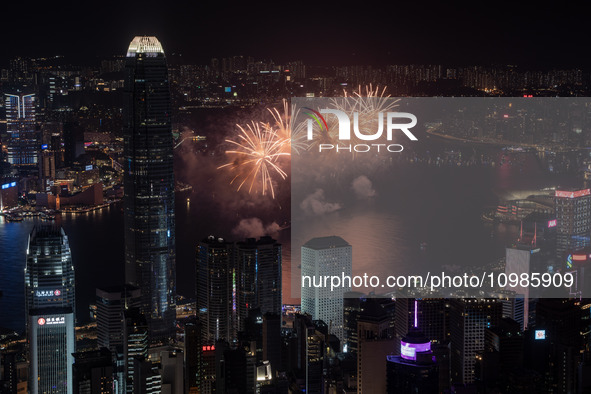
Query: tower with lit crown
(149, 185)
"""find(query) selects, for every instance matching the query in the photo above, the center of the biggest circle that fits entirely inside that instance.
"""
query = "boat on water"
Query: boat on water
(13, 218)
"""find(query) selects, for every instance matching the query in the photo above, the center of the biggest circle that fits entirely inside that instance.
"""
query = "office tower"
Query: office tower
(503, 353)
(50, 305)
(442, 353)
(51, 152)
(523, 258)
(49, 274)
(375, 341)
(234, 372)
(93, 372)
(415, 370)
(352, 303)
(51, 345)
(251, 337)
(272, 340)
(573, 221)
(556, 345)
(21, 126)
(192, 351)
(170, 369)
(147, 379)
(149, 185)
(135, 347)
(46, 168)
(259, 268)
(216, 284)
(111, 303)
(431, 314)
(207, 368)
(311, 344)
(326, 256)
(8, 195)
(513, 306)
(73, 142)
(468, 319)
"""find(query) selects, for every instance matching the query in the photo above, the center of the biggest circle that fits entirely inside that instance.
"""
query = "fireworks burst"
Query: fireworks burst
(367, 102)
(260, 146)
(256, 156)
(290, 136)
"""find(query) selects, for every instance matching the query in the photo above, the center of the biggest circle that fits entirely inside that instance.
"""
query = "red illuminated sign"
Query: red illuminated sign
(41, 321)
(575, 194)
(579, 257)
(552, 223)
(208, 348)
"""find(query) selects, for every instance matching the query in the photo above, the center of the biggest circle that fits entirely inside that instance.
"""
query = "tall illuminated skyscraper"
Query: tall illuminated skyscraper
(149, 185)
(23, 142)
(259, 265)
(49, 274)
(49, 295)
(216, 290)
(326, 256)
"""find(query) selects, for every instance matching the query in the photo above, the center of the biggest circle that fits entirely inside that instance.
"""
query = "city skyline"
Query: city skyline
(130, 183)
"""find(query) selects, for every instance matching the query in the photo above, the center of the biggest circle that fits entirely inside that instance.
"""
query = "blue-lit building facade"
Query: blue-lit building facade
(149, 185)
(21, 126)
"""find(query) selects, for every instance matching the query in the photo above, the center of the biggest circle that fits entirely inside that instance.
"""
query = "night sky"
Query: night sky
(319, 33)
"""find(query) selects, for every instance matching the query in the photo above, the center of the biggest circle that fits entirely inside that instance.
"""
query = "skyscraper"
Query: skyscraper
(93, 372)
(326, 256)
(49, 297)
(216, 285)
(149, 185)
(135, 347)
(49, 274)
(573, 221)
(51, 346)
(523, 258)
(111, 303)
(23, 145)
(259, 267)
(375, 341)
(469, 318)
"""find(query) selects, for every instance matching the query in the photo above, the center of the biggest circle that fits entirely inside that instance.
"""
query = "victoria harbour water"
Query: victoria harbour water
(440, 206)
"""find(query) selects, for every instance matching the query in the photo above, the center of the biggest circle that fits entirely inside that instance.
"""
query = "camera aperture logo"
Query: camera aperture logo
(392, 123)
